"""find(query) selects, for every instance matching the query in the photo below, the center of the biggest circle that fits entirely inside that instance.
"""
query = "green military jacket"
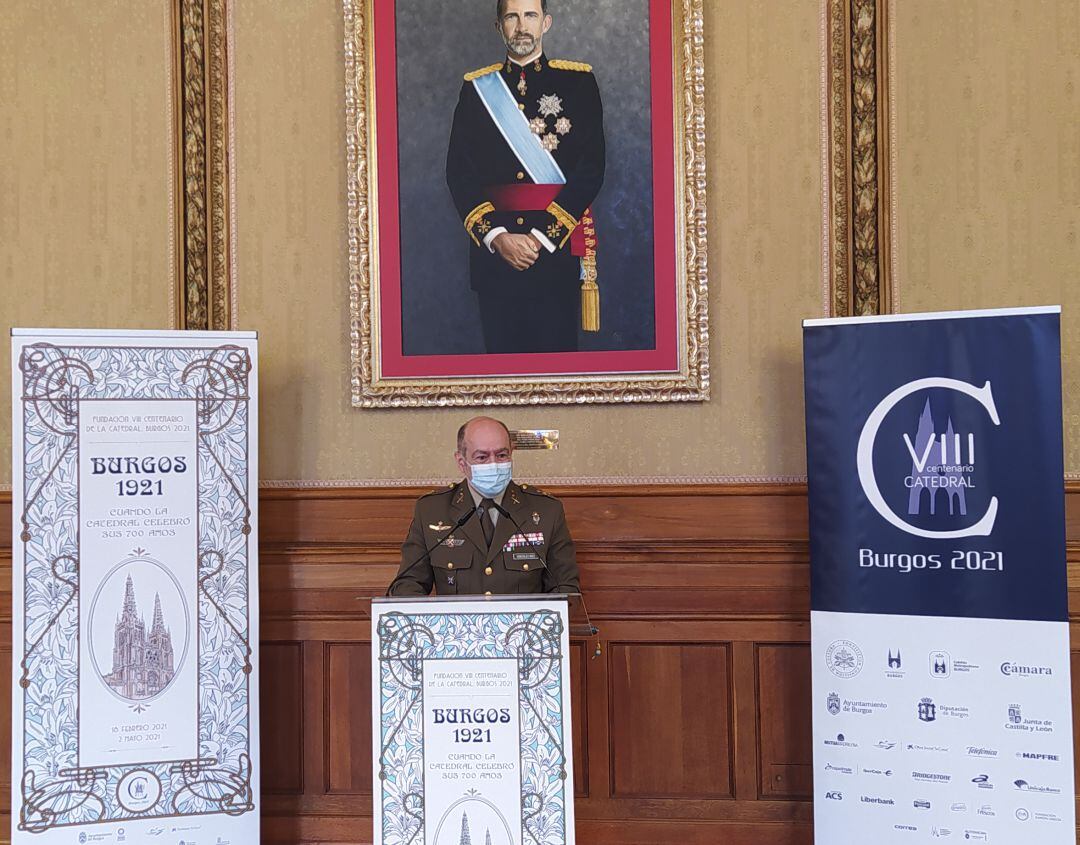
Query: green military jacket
(462, 564)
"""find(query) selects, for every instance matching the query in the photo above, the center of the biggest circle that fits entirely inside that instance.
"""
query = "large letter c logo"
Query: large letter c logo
(982, 395)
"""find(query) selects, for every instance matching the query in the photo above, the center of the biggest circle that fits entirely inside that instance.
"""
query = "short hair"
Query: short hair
(501, 4)
(465, 425)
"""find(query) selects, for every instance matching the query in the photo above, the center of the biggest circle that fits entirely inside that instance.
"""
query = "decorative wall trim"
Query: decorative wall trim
(204, 298)
(858, 184)
(746, 481)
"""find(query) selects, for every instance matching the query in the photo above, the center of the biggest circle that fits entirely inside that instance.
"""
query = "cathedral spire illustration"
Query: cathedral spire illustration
(465, 838)
(142, 665)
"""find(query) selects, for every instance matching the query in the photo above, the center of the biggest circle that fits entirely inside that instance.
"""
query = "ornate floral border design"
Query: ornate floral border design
(858, 186)
(531, 637)
(371, 390)
(204, 297)
(56, 789)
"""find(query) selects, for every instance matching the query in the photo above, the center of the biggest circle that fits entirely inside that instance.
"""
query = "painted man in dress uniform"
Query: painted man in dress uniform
(526, 160)
(497, 537)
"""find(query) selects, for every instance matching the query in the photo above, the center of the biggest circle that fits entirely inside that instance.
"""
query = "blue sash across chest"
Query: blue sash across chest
(503, 108)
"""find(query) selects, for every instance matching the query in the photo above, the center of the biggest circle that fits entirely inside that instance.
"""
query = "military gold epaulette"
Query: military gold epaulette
(535, 491)
(484, 71)
(564, 64)
(434, 492)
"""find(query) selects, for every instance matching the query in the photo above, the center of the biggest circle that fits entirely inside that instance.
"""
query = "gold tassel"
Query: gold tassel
(590, 296)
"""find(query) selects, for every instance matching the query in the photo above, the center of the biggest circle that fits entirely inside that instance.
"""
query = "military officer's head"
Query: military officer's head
(484, 453)
(522, 24)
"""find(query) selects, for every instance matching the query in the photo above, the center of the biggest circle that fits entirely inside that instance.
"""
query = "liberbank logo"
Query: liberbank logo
(942, 461)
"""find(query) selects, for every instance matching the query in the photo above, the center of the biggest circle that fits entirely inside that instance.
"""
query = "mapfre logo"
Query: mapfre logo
(941, 462)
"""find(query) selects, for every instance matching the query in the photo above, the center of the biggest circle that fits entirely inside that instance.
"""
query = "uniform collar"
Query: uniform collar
(478, 497)
(512, 68)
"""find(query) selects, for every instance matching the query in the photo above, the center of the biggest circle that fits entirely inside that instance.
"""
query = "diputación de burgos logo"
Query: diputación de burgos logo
(943, 461)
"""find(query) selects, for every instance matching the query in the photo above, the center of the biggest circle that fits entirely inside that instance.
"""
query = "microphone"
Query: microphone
(503, 512)
(465, 518)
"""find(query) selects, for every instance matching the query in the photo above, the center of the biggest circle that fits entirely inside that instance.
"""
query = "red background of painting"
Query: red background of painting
(663, 358)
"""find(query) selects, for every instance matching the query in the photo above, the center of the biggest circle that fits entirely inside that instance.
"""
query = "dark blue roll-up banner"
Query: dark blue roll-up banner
(939, 609)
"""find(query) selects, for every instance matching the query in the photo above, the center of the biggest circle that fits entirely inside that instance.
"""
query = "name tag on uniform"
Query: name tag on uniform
(526, 556)
(518, 541)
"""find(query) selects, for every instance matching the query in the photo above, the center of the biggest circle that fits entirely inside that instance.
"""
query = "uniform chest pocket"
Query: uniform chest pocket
(525, 570)
(447, 564)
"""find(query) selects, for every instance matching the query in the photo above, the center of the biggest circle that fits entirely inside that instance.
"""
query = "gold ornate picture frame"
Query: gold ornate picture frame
(859, 198)
(860, 195)
(672, 366)
(204, 181)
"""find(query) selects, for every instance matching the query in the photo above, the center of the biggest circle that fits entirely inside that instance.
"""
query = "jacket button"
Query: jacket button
(520, 175)
(521, 221)
(488, 571)
(450, 566)
(521, 106)
(487, 592)
(525, 566)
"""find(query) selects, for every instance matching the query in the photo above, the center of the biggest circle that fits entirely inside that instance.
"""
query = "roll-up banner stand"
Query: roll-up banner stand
(940, 640)
(135, 613)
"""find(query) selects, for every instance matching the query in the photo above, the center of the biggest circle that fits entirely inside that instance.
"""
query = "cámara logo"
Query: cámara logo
(1013, 670)
(939, 463)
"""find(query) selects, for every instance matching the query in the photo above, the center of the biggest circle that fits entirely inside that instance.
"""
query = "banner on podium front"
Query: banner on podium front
(939, 604)
(134, 588)
(471, 722)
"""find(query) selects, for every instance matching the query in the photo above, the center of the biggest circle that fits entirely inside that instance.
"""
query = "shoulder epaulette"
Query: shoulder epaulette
(435, 492)
(564, 64)
(535, 491)
(484, 71)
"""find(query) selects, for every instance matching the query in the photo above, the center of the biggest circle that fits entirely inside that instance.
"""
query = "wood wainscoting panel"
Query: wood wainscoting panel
(348, 721)
(579, 664)
(671, 712)
(786, 744)
(281, 690)
(692, 725)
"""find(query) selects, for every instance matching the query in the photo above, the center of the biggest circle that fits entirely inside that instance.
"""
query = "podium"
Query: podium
(471, 722)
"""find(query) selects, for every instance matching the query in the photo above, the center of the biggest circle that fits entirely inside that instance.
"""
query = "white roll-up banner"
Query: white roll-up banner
(135, 711)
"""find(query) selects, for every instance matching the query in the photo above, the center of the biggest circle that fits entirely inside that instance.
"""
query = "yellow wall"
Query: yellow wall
(763, 83)
(85, 143)
(988, 177)
(988, 163)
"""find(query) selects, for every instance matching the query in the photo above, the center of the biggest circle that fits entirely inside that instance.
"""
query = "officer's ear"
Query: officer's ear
(547, 23)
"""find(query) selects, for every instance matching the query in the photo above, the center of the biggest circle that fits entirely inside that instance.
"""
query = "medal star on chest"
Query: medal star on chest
(550, 105)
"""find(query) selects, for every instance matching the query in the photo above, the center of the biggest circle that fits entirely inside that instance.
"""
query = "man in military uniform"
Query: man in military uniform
(486, 534)
(525, 162)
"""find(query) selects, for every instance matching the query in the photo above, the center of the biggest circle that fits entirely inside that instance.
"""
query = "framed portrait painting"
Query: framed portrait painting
(526, 201)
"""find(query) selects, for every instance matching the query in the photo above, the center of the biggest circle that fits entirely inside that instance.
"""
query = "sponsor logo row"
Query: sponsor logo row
(844, 659)
(928, 710)
(980, 781)
(981, 752)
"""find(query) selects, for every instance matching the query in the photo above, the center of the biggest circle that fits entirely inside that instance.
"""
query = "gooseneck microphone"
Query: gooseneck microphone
(464, 518)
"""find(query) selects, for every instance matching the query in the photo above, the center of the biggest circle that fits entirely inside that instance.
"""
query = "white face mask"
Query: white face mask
(490, 480)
